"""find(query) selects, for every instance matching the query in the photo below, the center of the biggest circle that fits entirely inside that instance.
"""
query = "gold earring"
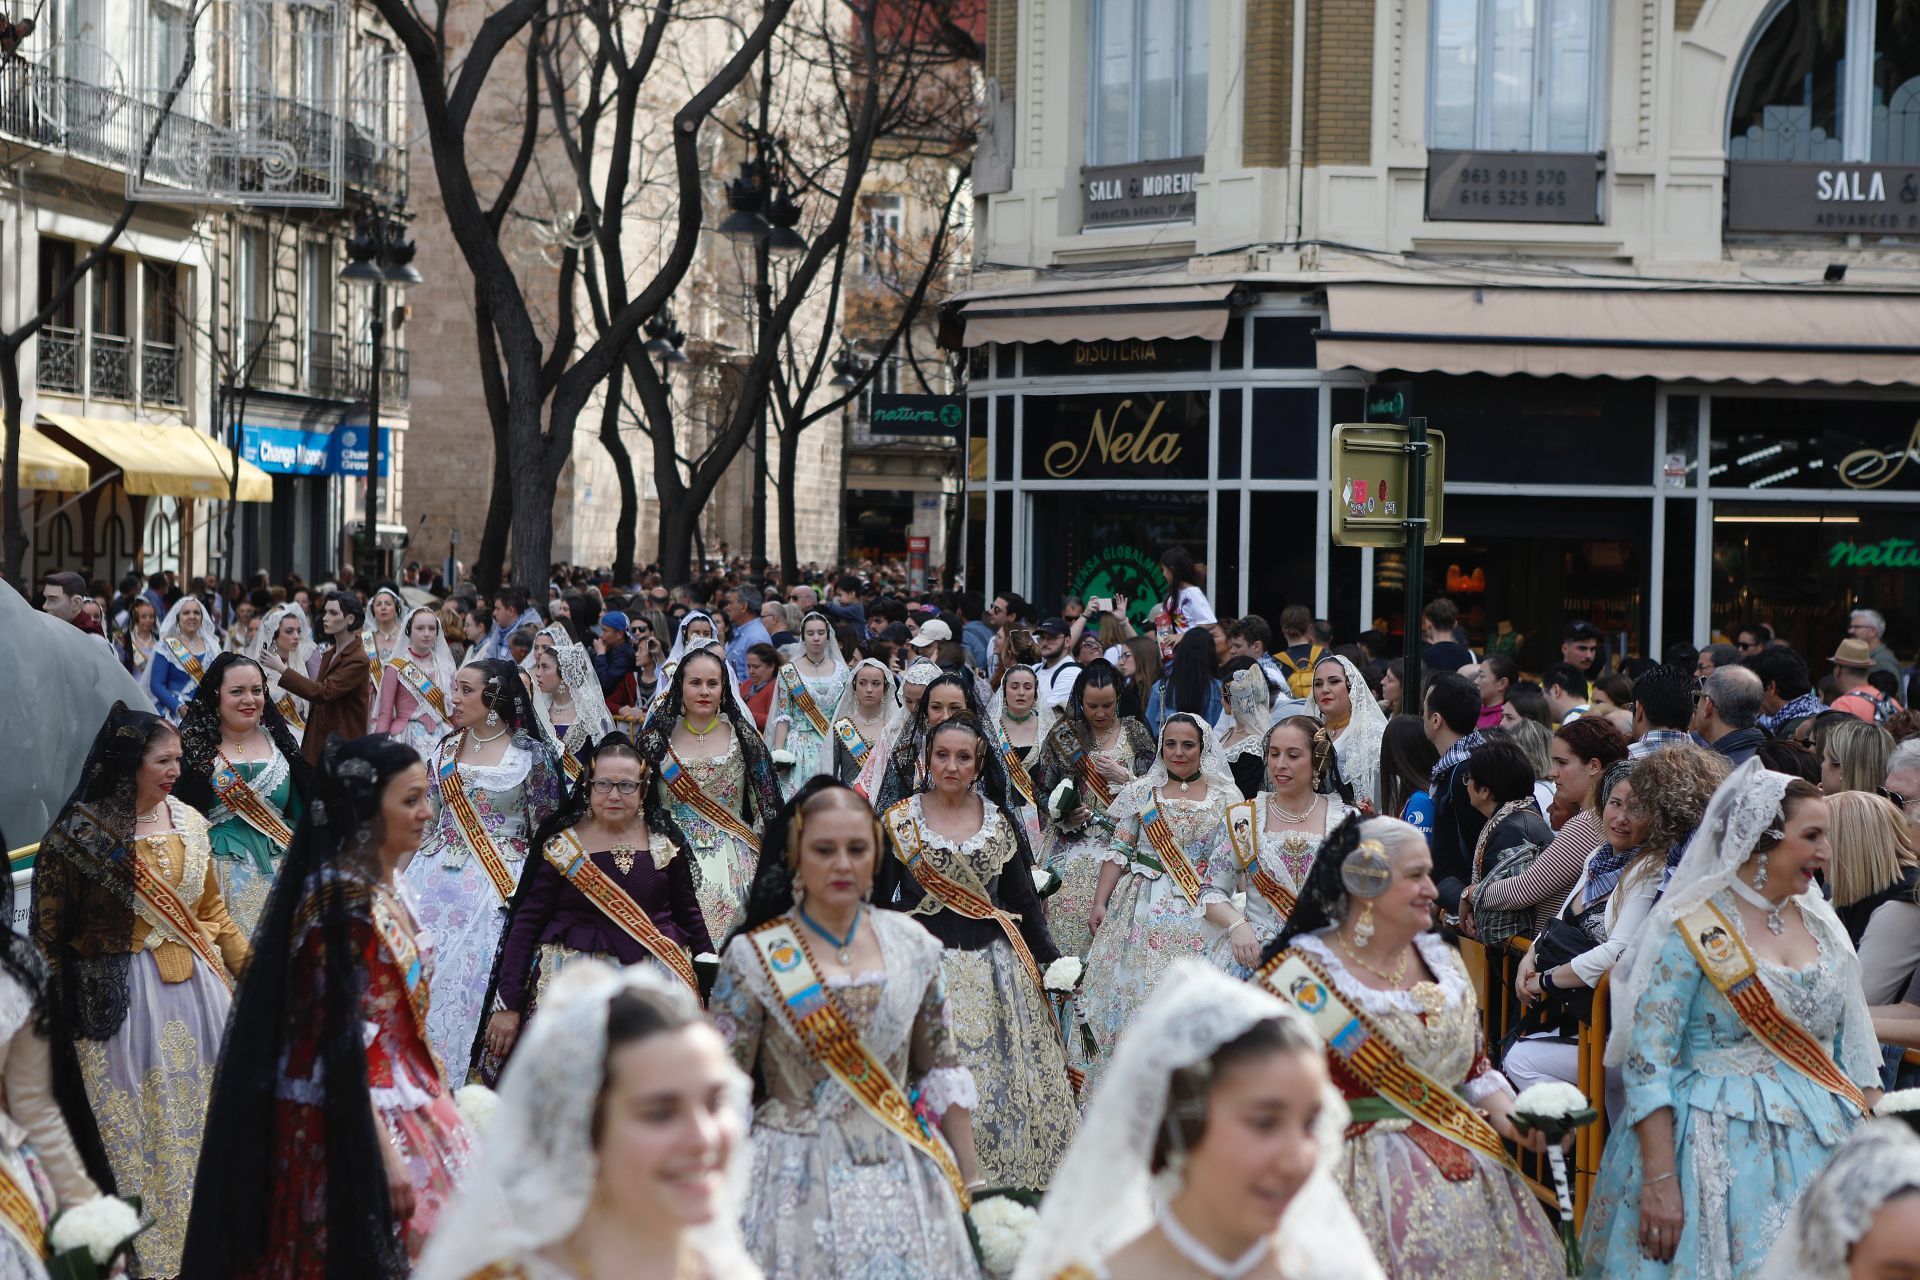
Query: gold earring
(1363, 927)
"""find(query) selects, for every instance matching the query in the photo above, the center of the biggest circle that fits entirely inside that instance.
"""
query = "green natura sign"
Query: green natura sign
(1893, 553)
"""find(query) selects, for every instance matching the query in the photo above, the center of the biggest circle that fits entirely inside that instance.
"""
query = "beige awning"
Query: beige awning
(47, 467)
(1712, 335)
(1145, 314)
(157, 461)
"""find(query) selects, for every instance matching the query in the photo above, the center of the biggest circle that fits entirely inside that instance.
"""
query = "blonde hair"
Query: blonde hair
(1860, 750)
(1871, 845)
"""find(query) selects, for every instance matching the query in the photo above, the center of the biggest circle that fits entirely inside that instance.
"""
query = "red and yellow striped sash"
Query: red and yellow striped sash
(831, 1039)
(1723, 956)
(400, 944)
(291, 712)
(455, 797)
(1173, 859)
(682, 787)
(238, 794)
(186, 659)
(571, 859)
(167, 906)
(799, 695)
(1375, 1060)
(1066, 741)
(421, 685)
(20, 1213)
(1016, 766)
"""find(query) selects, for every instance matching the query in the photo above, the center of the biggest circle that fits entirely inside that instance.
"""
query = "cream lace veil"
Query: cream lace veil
(1213, 767)
(590, 714)
(1358, 745)
(1250, 705)
(1878, 1162)
(533, 1171)
(1104, 1193)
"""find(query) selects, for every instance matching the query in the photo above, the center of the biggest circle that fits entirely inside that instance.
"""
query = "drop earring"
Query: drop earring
(493, 718)
(1760, 872)
(1363, 927)
(799, 895)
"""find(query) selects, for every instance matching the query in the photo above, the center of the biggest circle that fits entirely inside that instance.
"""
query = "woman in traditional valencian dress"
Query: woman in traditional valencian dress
(860, 724)
(1273, 838)
(805, 692)
(187, 648)
(1860, 1218)
(1732, 1109)
(567, 700)
(242, 769)
(1341, 699)
(1016, 726)
(618, 1147)
(383, 637)
(1243, 730)
(1215, 1080)
(1150, 906)
(960, 863)
(611, 881)
(411, 706)
(715, 782)
(1425, 1171)
(846, 1183)
(1100, 751)
(494, 780)
(284, 630)
(948, 694)
(141, 955)
(295, 1183)
(140, 639)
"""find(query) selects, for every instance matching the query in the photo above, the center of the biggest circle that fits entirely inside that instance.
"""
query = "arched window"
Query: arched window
(1831, 81)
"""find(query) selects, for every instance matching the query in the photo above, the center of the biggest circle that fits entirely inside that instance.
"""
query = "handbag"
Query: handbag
(1560, 1011)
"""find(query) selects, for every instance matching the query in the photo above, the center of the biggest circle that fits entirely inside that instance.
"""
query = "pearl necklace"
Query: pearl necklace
(485, 738)
(1286, 816)
(1189, 1247)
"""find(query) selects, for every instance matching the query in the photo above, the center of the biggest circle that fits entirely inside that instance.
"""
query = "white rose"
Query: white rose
(1060, 793)
(1550, 1100)
(783, 756)
(1003, 1226)
(476, 1104)
(1063, 974)
(1900, 1100)
(100, 1226)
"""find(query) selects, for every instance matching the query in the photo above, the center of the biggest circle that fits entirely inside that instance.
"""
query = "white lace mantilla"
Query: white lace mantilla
(512, 770)
(990, 822)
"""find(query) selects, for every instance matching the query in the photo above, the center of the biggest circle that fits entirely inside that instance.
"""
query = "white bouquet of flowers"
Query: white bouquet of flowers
(1902, 1105)
(1064, 974)
(84, 1241)
(476, 1104)
(1046, 882)
(1063, 801)
(783, 758)
(1554, 1109)
(1000, 1223)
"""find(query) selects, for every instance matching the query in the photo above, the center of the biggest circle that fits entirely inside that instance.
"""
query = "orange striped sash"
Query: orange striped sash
(291, 712)
(682, 787)
(1173, 859)
(455, 797)
(238, 794)
(166, 906)
(421, 685)
(799, 695)
(20, 1212)
(1016, 766)
(400, 944)
(1066, 741)
(186, 659)
(574, 862)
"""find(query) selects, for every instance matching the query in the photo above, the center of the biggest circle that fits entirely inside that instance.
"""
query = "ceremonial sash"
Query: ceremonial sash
(569, 762)
(373, 660)
(798, 695)
(1729, 966)
(413, 971)
(454, 796)
(186, 659)
(571, 860)
(1173, 859)
(830, 1038)
(1066, 740)
(1375, 1060)
(20, 1212)
(969, 901)
(1243, 828)
(172, 912)
(238, 795)
(422, 687)
(857, 746)
(291, 712)
(1016, 766)
(688, 792)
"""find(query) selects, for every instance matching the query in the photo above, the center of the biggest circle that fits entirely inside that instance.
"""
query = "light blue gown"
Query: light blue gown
(1750, 1131)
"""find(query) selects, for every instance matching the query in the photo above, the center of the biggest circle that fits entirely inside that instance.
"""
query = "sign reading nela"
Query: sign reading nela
(1137, 436)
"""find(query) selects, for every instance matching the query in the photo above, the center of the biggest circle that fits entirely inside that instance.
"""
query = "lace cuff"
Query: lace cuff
(1210, 895)
(945, 1087)
(1122, 858)
(1485, 1085)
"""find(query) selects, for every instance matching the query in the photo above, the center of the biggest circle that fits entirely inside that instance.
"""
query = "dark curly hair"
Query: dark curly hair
(506, 695)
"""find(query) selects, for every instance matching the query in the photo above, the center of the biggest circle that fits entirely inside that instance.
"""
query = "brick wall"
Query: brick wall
(1339, 90)
(1003, 42)
(1684, 13)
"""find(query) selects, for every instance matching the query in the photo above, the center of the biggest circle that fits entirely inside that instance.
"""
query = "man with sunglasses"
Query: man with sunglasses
(1903, 783)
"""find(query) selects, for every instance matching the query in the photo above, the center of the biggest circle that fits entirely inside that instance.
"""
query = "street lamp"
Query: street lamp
(380, 255)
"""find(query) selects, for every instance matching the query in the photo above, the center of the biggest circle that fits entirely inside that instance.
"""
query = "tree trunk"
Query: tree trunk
(625, 530)
(16, 534)
(677, 528)
(789, 523)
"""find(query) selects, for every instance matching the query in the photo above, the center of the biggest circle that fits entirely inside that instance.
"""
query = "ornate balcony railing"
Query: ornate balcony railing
(159, 372)
(59, 363)
(110, 364)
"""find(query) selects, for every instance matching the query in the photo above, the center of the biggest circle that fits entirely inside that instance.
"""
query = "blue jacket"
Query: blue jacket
(1158, 710)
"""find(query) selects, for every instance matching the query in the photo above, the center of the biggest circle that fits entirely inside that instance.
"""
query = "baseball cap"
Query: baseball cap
(1054, 627)
(613, 619)
(931, 633)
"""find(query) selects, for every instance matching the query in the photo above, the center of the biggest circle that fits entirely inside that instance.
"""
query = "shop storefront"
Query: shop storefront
(318, 475)
(1574, 486)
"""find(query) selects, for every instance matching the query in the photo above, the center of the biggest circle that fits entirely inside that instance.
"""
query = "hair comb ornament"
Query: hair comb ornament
(1366, 871)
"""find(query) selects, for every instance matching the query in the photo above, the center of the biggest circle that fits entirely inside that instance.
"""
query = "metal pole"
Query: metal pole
(763, 301)
(1412, 697)
(370, 541)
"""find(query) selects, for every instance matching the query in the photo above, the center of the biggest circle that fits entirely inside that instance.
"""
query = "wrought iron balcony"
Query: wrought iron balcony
(395, 382)
(328, 374)
(45, 109)
(159, 372)
(263, 359)
(59, 362)
(110, 363)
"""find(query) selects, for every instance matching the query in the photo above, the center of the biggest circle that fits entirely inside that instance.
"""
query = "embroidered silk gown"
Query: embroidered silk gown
(404, 715)
(1075, 854)
(1284, 855)
(245, 859)
(833, 1191)
(812, 750)
(1150, 921)
(1002, 1023)
(149, 1081)
(457, 901)
(722, 860)
(1429, 1206)
(1749, 1131)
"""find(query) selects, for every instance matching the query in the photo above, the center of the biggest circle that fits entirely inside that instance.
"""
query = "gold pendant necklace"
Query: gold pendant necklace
(623, 856)
(700, 733)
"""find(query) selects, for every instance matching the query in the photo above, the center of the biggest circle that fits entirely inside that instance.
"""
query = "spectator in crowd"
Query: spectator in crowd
(1500, 788)
(1714, 657)
(1495, 676)
(1057, 669)
(1140, 670)
(1580, 646)
(1251, 637)
(1903, 783)
(340, 695)
(1852, 664)
(1451, 715)
(1190, 683)
(1662, 706)
(1751, 638)
(1406, 771)
(975, 632)
(1566, 688)
(763, 664)
(1186, 605)
(846, 606)
(1870, 629)
(1527, 701)
(1789, 696)
(1726, 714)
(773, 616)
(520, 644)
(1853, 757)
(510, 612)
(1393, 689)
(63, 595)
(1300, 654)
(614, 661)
(744, 626)
(926, 642)
(1438, 621)
(1873, 874)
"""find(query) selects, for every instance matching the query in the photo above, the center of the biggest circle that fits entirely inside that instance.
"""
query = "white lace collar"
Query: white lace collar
(1437, 956)
(990, 821)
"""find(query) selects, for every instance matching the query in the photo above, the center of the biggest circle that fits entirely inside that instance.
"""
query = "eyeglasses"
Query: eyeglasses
(607, 786)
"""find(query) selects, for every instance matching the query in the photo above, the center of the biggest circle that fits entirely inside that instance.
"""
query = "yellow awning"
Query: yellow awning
(157, 461)
(47, 467)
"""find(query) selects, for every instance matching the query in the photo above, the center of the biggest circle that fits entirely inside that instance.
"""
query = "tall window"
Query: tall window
(1517, 75)
(886, 223)
(1831, 82)
(1148, 83)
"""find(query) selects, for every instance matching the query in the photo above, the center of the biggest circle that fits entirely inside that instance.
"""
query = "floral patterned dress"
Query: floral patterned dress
(1074, 854)
(457, 902)
(1431, 1207)
(812, 750)
(1749, 1132)
(1150, 921)
(833, 1192)
(1284, 855)
(722, 860)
